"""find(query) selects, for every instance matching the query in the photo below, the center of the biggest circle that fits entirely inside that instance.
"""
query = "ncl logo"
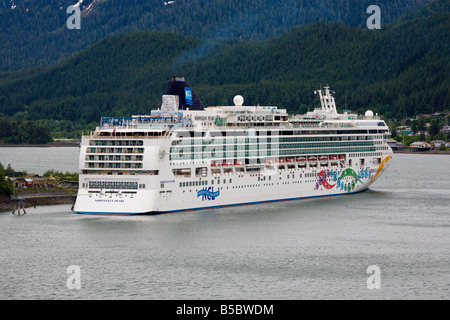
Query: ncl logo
(208, 193)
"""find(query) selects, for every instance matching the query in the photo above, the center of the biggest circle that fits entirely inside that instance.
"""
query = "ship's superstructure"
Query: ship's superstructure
(184, 156)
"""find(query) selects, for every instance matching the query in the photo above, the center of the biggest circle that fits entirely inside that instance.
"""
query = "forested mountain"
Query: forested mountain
(400, 70)
(35, 32)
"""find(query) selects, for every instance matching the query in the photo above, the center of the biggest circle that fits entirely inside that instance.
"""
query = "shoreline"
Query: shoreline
(423, 152)
(6, 204)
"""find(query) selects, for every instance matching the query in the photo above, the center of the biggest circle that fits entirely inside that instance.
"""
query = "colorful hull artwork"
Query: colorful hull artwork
(380, 168)
(348, 179)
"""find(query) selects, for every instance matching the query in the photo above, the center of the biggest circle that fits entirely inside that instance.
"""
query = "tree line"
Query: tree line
(23, 131)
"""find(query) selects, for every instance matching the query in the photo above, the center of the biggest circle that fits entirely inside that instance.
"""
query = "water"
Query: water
(307, 249)
(38, 160)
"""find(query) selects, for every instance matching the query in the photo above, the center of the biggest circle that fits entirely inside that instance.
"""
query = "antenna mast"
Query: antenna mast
(327, 100)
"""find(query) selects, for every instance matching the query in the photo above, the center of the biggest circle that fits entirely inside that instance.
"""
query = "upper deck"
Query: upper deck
(161, 123)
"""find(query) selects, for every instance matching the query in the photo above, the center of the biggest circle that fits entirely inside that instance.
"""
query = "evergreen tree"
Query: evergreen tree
(5, 185)
(434, 127)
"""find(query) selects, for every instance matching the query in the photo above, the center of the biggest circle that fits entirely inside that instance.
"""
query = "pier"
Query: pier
(19, 200)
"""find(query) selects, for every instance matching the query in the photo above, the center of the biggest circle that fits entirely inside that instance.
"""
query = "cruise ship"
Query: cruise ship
(185, 156)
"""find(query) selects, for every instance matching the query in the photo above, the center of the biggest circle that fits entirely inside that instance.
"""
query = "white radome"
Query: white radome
(238, 100)
(369, 113)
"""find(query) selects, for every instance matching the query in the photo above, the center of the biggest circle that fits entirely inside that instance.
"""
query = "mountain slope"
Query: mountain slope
(397, 71)
(116, 73)
(35, 33)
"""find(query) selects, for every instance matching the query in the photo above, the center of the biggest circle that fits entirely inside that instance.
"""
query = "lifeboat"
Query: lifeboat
(301, 161)
(323, 160)
(312, 160)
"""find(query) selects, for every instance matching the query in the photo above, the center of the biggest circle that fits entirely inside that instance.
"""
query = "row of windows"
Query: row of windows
(185, 134)
(193, 183)
(115, 150)
(257, 140)
(326, 150)
(121, 172)
(202, 183)
(258, 168)
(116, 165)
(372, 154)
(325, 144)
(272, 146)
(267, 153)
(312, 175)
(260, 185)
(95, 142)
(113, 185)
(114, 158)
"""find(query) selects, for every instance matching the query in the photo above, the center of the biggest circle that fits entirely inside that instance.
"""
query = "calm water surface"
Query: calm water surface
(306, 249)
(38, 159)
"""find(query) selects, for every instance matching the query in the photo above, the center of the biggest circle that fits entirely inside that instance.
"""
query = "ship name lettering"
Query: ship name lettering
(204, 118)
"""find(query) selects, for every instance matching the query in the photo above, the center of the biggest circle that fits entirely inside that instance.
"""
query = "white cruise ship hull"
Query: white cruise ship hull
(232, 190)
(187, 157)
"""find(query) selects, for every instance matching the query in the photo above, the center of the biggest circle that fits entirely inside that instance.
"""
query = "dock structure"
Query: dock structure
(19, 206)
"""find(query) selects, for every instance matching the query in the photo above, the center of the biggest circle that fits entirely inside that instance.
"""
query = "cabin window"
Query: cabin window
(201, 172)
(185, 172)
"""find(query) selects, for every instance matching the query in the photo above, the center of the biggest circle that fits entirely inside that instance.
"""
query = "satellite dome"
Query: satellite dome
(369, 114)
(238, 100)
